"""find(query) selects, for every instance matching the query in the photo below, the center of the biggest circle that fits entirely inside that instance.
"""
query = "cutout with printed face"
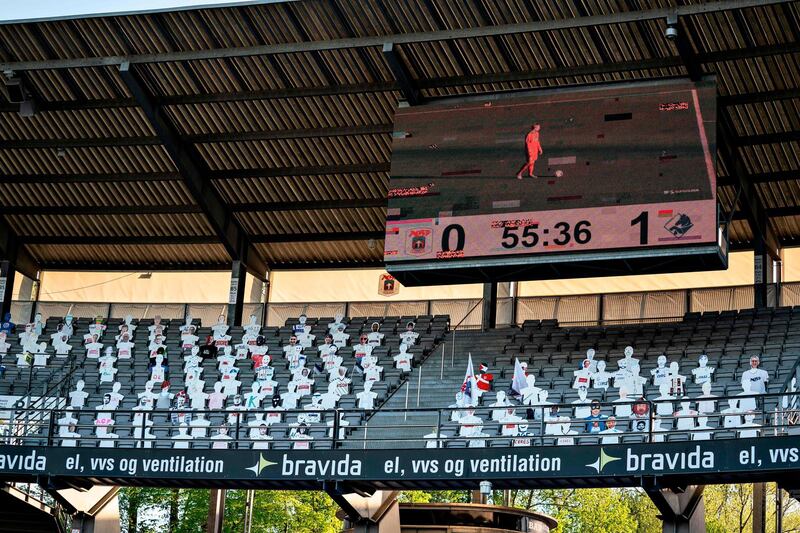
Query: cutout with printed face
(628, 351)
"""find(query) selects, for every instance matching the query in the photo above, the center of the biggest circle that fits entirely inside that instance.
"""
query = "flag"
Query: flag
(470, 387)
(519, 382)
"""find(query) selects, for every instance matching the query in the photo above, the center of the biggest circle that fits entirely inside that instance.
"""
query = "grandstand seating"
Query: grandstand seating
(133, 373)
(728, 338)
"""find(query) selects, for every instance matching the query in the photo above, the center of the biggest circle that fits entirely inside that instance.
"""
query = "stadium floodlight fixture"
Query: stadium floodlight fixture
(671, 32)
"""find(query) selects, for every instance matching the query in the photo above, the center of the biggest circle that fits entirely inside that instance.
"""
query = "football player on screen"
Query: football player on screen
(534, 149)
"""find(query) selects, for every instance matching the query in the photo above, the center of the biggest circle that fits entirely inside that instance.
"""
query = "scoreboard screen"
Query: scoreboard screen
(531, 175)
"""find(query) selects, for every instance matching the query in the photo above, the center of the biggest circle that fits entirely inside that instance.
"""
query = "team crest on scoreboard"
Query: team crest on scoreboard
(418, 241)
(679, 225)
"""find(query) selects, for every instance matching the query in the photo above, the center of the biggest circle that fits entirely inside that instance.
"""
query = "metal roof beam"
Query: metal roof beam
(757, 97)
(544, 74)
(203, 138)
(626, 17)
(275, 172)
(772, 212)
(260, 207)
(319, 237)
(766, 177)
(401, 74)
(345, 131)
(309, 205)
(769, 138)
(689, 58)
(195, 175)
(207, 98)
(751, 203)
(241, 173)
(246, 96)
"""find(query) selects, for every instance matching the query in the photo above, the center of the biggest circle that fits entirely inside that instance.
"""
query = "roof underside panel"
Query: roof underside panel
(95, 224)
(95, 195)
(346, 253)
(289, 189)
(114, 256)
(314, 221)
(278, 131)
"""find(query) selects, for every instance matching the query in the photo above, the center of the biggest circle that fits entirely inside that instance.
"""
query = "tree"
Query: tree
(434, 496)
(273, 511)
(143, 510)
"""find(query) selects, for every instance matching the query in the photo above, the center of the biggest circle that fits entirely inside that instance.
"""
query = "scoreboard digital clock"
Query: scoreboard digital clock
(508, 186)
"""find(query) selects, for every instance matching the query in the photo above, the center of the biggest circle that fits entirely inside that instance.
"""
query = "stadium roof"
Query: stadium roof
(263, 133)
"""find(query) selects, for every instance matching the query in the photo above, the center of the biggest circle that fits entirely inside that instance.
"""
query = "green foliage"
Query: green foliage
(273, 511)
(434, 496)
(596, 510)
(143, 510)
(728, 509)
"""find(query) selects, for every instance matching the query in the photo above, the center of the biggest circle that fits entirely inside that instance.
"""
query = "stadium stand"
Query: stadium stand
(552, 355)
(62, 375)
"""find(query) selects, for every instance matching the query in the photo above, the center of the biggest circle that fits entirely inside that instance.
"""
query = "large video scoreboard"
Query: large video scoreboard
(577, 182)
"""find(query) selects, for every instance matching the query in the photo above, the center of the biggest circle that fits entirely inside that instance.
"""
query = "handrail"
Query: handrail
(771, 417)
(792, 373)
(56, 508)
(453, 332)
(786, 288)
(49, 399)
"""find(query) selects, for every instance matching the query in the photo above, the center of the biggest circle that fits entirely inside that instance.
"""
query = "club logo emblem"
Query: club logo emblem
(418, 241)
(679, 225)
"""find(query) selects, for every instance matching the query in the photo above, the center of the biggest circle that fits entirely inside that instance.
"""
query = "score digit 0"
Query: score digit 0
(460, 238)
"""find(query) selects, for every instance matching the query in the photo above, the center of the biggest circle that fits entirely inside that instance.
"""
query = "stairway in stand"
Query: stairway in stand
(18, 516)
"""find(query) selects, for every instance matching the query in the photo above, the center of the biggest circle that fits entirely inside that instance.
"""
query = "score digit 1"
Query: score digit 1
(642, 221)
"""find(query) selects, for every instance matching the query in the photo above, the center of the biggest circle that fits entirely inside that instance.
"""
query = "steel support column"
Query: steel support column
(764, 282)
(759, 507)
(489, 319)
(682, 510)
(7, 274)
(216, 511)
(236, 294)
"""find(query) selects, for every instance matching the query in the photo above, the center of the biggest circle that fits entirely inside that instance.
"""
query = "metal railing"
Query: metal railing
(582, 309)
(35, 495)
(536, 425)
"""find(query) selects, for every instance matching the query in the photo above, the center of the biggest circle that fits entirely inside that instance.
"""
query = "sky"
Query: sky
(15, 11)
